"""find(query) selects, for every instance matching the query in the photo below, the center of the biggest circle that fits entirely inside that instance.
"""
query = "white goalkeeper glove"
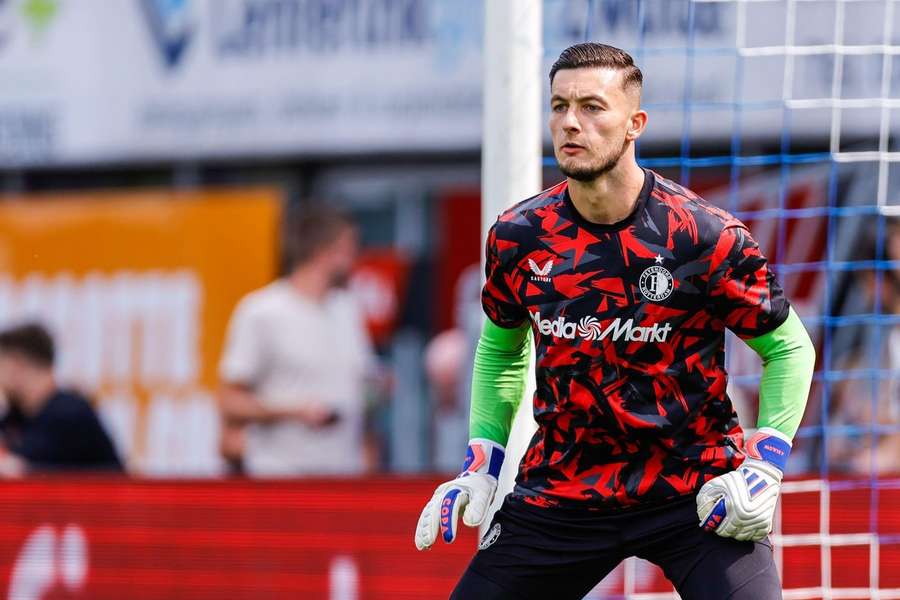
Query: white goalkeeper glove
(470, 493)
(741, 504)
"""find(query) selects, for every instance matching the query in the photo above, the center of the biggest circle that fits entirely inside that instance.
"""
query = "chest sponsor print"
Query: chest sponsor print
(591, 329)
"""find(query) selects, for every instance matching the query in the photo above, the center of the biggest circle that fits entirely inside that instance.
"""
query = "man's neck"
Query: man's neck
(310, 282)
(611, 197)
(38, 392)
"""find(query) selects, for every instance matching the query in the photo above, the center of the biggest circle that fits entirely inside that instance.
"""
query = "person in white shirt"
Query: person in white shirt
(295, 360)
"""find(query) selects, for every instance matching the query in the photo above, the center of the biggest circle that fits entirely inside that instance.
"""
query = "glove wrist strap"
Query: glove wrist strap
(770, 446)
(485, 457)
(764, 467)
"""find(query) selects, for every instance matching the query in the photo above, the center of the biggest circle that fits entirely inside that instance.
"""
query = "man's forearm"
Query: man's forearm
(240, 405)
(498, 380)
(788, 363)
(741, 504)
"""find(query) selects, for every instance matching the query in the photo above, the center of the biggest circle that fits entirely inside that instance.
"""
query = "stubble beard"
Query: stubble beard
(592, 172)
(339, 280)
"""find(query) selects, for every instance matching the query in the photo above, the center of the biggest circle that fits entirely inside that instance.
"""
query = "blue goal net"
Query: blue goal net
(785, 113)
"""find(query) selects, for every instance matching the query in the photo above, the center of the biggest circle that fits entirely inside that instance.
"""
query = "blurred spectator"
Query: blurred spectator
(296, 359)
(448, 368)
(863, 401)
(45, 428)
(446, 356)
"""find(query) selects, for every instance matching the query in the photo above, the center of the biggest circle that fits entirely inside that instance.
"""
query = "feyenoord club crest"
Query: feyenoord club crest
(656, 283)
(490, 537)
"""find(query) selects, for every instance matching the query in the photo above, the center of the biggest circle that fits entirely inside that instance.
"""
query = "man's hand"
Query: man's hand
(315, 415)
(11, 466)
(741, 504)
(470, 494)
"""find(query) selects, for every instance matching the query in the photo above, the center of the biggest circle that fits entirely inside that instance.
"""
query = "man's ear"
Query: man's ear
(636, 125)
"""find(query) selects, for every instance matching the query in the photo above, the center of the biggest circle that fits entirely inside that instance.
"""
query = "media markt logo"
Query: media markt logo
(172, 27)
(590, 329)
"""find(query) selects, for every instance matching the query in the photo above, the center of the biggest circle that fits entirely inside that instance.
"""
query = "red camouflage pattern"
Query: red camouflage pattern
(629, 325)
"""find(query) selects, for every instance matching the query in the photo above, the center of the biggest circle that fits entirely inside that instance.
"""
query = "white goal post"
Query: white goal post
(511, 149)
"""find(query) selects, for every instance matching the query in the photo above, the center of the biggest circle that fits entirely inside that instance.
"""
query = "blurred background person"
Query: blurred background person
(296, 359)
(866, 403)
(45, 428)
(447, 361)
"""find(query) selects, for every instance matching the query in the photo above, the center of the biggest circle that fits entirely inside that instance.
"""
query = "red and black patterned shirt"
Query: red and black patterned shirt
(629, 326)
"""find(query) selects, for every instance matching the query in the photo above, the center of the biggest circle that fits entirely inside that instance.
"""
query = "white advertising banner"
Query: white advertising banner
(111, 81)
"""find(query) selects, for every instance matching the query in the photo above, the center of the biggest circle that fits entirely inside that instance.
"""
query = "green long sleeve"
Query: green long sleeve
(788, 362)
(498, 380)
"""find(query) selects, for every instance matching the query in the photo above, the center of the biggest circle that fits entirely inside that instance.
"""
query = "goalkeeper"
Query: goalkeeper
(627, 282)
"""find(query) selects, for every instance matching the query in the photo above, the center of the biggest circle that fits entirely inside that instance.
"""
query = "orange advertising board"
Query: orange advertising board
(137, 288)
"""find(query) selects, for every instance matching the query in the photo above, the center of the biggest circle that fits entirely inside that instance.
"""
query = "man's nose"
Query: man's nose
(570, 120)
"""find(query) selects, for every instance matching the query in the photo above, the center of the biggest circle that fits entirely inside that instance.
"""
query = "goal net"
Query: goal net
(785, 112)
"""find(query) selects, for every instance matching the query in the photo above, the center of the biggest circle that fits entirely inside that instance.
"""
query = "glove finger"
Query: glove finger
(711, 489)
(705, 506)
(453, 501)
(753, 534)
(748, 536)
(427, 527)
(715, 517)
(707, 498)
(759, 534)
(474, 513)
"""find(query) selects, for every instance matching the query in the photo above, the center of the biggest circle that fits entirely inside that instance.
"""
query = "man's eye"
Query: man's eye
(592, 108)
(559, 108)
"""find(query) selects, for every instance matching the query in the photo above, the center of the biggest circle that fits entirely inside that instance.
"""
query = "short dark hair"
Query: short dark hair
(31, 340)
(309, 231)
(592, 54)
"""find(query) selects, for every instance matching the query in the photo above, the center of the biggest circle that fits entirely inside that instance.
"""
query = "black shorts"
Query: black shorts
(561, 554)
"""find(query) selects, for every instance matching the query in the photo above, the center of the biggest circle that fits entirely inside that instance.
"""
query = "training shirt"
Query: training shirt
(629, 326)
(292, 351)
(65, 434)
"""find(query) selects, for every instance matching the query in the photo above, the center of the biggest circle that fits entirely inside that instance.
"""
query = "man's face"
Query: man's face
(592, 120)
(341, 256)
(12, 369)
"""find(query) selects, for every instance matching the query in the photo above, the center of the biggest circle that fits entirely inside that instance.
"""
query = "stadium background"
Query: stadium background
(150, 149)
